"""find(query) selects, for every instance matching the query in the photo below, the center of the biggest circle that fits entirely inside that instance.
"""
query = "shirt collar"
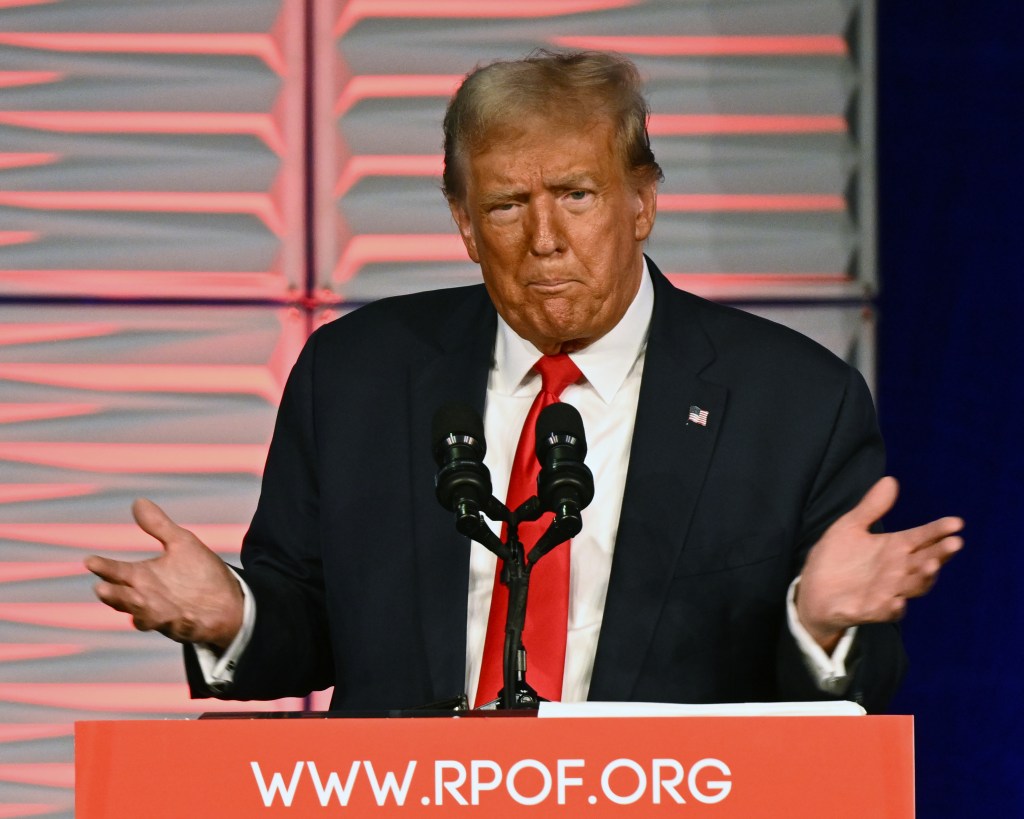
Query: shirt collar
(605, 363)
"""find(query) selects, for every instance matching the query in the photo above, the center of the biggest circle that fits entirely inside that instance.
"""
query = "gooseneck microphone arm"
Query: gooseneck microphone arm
(463, 486)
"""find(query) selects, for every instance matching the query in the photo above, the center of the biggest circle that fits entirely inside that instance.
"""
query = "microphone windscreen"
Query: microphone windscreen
(458, 418)
(559, 419)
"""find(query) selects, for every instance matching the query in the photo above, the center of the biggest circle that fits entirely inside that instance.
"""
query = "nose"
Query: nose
(545, 228)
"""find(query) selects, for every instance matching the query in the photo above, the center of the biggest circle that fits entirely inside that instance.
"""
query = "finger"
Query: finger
(925, 536)
(942, 550)
(113, 571)
(129, 601)
(154, 521)
(931, 533)
(878, 500)
(121, 598)
(896, 609)
(919, 585)
(923, 571)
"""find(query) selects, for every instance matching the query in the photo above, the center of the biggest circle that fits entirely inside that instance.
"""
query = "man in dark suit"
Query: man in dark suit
(738, 464)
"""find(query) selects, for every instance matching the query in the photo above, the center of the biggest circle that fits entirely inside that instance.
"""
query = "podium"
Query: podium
(497, 766)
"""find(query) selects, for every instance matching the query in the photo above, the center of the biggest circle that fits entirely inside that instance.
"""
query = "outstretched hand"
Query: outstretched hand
(187, 593)
(853, 576)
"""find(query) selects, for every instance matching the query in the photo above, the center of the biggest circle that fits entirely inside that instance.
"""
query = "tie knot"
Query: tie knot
(557, 372)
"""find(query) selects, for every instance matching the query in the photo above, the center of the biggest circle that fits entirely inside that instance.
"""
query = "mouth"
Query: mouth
(551, 286)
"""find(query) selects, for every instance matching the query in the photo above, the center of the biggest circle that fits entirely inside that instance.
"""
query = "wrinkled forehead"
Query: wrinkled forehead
(547, 156)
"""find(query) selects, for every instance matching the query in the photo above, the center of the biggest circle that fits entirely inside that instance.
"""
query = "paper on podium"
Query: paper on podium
(843, 708)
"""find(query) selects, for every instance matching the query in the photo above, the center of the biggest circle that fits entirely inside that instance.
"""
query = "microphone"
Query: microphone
(565, 485)
(462, 483)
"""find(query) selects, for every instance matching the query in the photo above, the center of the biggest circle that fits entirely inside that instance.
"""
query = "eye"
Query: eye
(502, 213)
(578, 198)
(499, 205)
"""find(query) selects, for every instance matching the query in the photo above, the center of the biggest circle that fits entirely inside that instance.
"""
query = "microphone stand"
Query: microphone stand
(516, 692)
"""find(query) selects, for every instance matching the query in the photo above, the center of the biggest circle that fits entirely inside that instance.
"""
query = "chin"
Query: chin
(560, 324)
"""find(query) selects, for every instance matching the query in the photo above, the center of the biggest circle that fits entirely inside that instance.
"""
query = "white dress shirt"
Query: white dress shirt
(606, 399)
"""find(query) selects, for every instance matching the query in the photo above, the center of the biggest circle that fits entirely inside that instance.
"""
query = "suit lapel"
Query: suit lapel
(457, 373)
(669, 458)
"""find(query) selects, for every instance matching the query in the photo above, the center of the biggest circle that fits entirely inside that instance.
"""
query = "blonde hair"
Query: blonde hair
(577, 87)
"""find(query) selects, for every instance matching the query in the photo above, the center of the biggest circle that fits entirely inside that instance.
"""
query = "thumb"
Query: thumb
(877, 501)
(154, 521)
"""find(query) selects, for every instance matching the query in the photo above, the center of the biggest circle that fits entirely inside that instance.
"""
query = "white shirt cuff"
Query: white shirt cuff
(219, 672)
(829, 673)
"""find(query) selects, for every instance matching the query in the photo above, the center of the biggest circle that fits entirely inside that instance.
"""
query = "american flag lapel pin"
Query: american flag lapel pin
(697, 416)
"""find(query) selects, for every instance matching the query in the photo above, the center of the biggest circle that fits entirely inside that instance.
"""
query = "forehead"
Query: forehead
(544, 147)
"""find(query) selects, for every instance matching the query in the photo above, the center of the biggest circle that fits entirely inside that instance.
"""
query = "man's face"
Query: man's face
(556, 225)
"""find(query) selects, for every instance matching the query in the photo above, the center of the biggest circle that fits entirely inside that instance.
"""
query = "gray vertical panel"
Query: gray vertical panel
(152, 149)
(99, 405)
(867, 181)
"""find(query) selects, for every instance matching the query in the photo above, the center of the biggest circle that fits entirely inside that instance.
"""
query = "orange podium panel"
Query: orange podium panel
(499, 766)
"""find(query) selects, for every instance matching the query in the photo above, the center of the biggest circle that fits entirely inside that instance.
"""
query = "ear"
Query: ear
(461, 216)
(647, 208)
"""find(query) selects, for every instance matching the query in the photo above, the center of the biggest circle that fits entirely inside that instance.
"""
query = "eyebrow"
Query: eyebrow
(574, 180)
(500, 197)
(571, 181)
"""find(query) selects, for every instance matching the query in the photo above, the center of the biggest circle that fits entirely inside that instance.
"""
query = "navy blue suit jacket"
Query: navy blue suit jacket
(361, 581)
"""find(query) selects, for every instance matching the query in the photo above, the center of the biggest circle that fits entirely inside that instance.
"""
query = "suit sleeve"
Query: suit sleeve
(854, 458)
(290, 651)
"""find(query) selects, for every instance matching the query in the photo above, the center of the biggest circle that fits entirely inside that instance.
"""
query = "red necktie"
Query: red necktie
(547, 614)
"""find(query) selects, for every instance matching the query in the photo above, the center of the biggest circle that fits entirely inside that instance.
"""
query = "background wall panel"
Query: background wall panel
(102, 404)
(761, 119)
(127, 127)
